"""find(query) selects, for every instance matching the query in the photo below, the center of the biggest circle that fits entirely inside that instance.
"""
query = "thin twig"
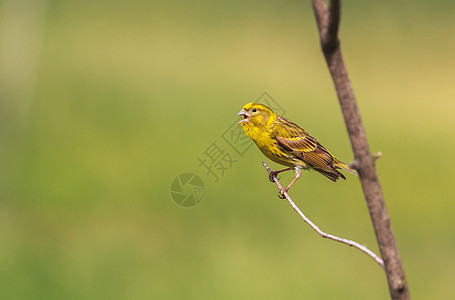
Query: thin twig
(377, 155)
(319, 231)
(319, 8)
(331, 35)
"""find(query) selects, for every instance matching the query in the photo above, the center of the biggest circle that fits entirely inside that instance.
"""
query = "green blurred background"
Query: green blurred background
(104, 103)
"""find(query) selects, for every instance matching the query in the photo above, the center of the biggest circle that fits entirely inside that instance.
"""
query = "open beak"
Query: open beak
(245, 115)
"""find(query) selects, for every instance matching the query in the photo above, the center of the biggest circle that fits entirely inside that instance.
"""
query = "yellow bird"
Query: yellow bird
(284, 142)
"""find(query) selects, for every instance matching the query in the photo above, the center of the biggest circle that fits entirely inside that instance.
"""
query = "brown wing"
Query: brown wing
(305, 147)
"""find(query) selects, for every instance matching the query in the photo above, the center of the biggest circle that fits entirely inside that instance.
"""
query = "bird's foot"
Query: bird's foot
(272, 175)
(281, 193)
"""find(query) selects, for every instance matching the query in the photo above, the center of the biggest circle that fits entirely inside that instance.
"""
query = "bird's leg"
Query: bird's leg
(298, 172)
(274, 173)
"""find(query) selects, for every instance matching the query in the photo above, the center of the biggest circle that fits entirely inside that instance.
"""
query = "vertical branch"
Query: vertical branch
(327, 21)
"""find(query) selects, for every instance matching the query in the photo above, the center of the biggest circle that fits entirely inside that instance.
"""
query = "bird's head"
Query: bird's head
(256, 115)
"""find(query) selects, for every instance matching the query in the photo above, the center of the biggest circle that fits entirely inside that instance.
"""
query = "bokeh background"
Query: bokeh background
(104, 103)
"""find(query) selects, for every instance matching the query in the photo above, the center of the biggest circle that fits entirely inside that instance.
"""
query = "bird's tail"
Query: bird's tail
(338, 164)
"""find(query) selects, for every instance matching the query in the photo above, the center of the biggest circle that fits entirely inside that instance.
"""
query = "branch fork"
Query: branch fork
(316, 228)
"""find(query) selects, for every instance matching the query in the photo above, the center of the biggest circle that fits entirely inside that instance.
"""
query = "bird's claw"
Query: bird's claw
(281, 193)
(272, 175)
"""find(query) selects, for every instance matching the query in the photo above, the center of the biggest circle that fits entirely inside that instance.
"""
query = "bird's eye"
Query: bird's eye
(254, 109)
